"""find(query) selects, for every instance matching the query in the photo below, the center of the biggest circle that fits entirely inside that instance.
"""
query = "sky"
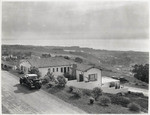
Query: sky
(100, 25)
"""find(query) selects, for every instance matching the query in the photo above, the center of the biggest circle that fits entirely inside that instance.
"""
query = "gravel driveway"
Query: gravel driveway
(20, 100)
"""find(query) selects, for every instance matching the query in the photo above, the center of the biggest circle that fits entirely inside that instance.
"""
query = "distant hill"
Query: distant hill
(89, 55)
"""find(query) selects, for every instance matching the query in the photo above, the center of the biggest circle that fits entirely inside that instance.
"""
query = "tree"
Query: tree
(46, 55)
(141, 72)
(50, 75)
(34, 70)
(97, 92)
(61, 81)
(79, 60)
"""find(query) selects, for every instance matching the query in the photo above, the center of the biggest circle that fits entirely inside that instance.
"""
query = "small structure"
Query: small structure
(88, 73)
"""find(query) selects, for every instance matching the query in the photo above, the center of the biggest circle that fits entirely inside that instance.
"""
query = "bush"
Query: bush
(45, 80)
(97, 92)
(104, 100)
(87, 92)
(61, 81)
(77, 93)
(124, 101)
(91, 99)
(134, 107)
(71, 89)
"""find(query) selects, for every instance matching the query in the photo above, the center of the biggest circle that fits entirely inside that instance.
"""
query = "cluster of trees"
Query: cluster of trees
(46, 55)
(141, 72)
(19, 54)
(79, 60)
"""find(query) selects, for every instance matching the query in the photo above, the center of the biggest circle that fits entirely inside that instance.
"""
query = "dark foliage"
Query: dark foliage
(97, 92)
(134, 107)
(87, 92)
(141, 72)
(46, 55)
(79, 60)
(91, 100)
(61, 81)
(71, 89)
(105, 100)
(77, 93)
(120, 100)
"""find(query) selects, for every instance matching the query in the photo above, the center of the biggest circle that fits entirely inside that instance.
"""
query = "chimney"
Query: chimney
(74, 67)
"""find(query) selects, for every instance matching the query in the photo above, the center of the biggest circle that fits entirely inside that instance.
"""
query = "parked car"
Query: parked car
(31, 81)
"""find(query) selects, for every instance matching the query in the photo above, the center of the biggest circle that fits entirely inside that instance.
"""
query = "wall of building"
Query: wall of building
(94, 71)
(55, 72)
(78, 74)
(26, 66)
(90, 71)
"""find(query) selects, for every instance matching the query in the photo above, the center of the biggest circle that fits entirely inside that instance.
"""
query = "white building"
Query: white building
(57, 65)
(88, 73)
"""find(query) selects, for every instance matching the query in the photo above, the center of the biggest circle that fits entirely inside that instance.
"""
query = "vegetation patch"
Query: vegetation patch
(104, 100)
(134, 107)
(97, 92)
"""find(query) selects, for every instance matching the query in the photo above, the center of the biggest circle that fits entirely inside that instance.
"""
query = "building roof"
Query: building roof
(85, 67)
(9, 63)
(49, 62)
(108, 79)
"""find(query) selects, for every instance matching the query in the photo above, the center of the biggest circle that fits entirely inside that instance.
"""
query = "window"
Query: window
(53, 69)
(21, 67)
(64, 69)
(93, 77)
(57, 69)
(68, 69)
(61, 69)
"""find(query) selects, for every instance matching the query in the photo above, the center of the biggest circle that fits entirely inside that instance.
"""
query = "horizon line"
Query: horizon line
(76, 46)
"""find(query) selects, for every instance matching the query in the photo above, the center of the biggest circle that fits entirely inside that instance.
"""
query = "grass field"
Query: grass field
(96, 108)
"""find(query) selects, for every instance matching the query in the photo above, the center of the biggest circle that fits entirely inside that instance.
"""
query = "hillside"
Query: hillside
(103, 57)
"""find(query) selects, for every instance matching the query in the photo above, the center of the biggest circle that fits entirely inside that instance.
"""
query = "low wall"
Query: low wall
(113, 90)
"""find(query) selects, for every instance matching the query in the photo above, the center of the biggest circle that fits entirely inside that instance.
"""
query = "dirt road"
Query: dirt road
(19, 99)
(139, 90)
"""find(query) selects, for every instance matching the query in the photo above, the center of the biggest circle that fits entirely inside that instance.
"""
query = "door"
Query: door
(81, 77)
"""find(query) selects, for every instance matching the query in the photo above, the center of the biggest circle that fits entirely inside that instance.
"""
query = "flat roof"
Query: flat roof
(30, 75)
(108, 79)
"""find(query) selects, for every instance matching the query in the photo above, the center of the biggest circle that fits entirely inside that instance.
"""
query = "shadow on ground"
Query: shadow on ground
(24, 89)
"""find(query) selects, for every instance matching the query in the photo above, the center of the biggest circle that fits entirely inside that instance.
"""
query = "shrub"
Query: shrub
(124, 101)
(134, 107)
(112, 84)
(97, 92)
(45, 80)
(104, 100)
(61, 81)
(91, 99)
(70, 89)
(77, 93)
(86, 92)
